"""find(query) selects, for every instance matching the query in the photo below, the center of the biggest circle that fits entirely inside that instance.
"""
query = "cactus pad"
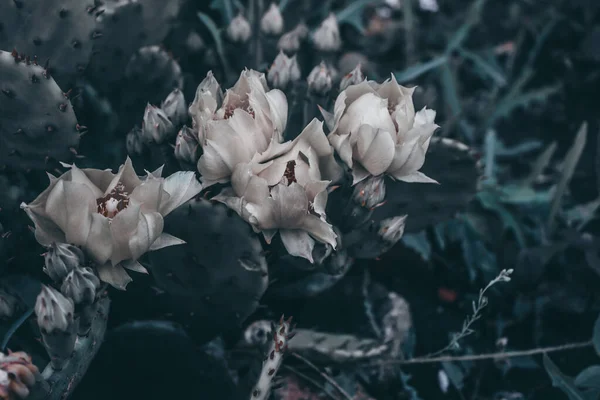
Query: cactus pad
(220, 274)
(59, 32)
(37, 122)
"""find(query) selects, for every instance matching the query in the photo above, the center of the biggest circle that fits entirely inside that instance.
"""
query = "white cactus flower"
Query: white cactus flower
(250, 119)
(286, 191)
(114, 218)
(283, 71)
(375, 130)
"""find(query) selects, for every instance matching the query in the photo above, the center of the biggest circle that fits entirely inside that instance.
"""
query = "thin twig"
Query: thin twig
(488, 356)
(324, 375)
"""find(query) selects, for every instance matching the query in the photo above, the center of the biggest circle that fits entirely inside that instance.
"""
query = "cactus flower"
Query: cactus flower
(239, 29)
(375, 130)
(287, 192)
(327, 36)
(114, 218)
(17, 375)
(250, 119)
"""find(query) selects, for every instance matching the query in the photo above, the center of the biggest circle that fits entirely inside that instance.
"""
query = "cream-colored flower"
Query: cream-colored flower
(286, 191)
(250, 119)
(114, 218)
(375, 130)
(327, 36)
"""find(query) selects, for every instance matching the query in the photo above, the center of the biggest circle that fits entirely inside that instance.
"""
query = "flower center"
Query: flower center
(229, 109)
(290, 173)
(114, 202)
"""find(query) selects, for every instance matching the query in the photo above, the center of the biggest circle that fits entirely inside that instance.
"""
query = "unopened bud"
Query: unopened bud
(55, 318)
(392, 229)
(81, 286)
(319, 80)
(370, 193)
(175, 108)
(8, 305)
(62, 258)
(186, 146)
(354, 77)
(327, 36)
(207, 99)
(157, 127)
(272, 21)
(283, 71)
(429, 5)
(17, 375)
(239, 29)
(134, 142)
(290, 42)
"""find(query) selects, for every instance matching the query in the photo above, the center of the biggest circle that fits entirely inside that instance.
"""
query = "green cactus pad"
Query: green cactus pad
(37, 122)
(220, 274)
(59, 32)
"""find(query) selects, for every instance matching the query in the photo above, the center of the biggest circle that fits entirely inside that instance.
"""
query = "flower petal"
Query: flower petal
(70, 206)
(122, 227)
(46, 231)
(319, 229)
(181, 187)
(298, 243)
(374, 149)
(278, 106)
(149, 194)
(113, 275)
(416, 177)
(150, 226)
(166, 240)
(99, 244)
(127, 176)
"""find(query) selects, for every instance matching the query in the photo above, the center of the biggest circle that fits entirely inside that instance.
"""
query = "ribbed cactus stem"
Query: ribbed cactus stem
(281, 335)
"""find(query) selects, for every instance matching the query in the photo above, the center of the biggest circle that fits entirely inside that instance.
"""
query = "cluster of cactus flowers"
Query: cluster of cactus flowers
(326, 198)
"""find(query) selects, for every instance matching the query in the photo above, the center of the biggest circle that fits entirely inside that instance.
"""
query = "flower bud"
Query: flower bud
(327, 36)
(370, 192)
(319, 80)
(291, 41)
(429, 5)
(8, 304)
(62, 258)
(17, 375)
(208, 95)
(81, 286)
(55, 318)
(239, 29)
(186, 146)
(175, 108)
(283, 71)
(354, 77)
(157, 127)
(392, 229)
(272, 21)
(134, 142)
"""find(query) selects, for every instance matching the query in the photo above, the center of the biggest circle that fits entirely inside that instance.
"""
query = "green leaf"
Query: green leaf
(450, 90)
(455, 374)
(225, 8)
(561, 381)
(491, 201)
(486, 68)
(540, 164)
(419, 243)
(571, 160)
(214, 32)
(413, 72)
(461, 34)
(596, 336)
(589, 378)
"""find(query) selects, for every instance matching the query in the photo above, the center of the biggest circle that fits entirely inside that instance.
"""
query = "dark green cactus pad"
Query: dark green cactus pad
(455, 166)
(59, 32)
(37, 122)
(159, 16)
(220, 274)
(121, 25)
